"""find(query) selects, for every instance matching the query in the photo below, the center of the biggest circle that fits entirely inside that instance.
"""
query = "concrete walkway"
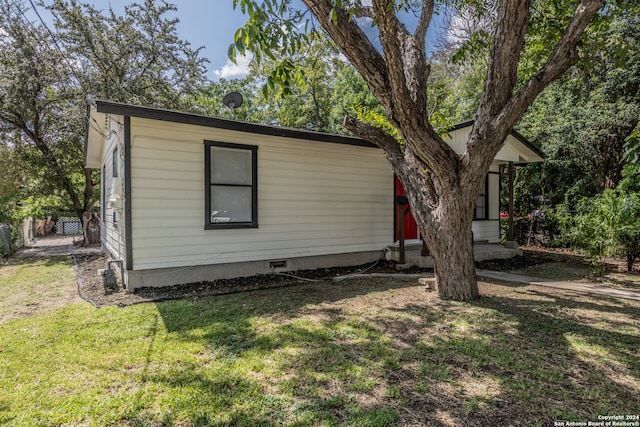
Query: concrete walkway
(55, 246)
(588, 288)
(481, 252)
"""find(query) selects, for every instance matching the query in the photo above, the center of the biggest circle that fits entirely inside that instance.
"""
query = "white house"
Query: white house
(517, 150)
(187, 198)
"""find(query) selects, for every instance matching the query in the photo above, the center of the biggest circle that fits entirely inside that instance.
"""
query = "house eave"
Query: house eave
(129, 110)
(100, 108)
(533, 153)
(94, 138)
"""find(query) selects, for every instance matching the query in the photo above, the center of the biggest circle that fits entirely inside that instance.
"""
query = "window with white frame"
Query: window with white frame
(231, 185)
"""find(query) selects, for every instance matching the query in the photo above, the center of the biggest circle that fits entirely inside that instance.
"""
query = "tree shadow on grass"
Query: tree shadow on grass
(626, 283)
(344, 354)
(571, 344)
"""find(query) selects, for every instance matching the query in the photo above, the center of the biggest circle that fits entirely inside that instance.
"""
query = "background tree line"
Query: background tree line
(48, 74)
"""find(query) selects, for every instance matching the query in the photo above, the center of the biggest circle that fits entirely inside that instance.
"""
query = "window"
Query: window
(114, 163)
(482, 202)
(231, 184)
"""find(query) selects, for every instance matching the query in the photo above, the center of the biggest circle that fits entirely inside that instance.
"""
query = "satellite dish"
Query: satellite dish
(232, 100)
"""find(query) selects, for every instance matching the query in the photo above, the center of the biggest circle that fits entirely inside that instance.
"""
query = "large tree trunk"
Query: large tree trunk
(446, 228)
(451, 246)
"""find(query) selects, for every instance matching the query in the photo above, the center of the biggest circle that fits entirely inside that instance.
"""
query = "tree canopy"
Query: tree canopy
(527, 51)
(46, 76)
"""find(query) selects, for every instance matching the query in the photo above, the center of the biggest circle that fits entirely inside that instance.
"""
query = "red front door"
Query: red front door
(410, 226)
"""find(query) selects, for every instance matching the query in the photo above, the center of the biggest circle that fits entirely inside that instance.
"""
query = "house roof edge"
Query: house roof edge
(130, 110)
(517, 135)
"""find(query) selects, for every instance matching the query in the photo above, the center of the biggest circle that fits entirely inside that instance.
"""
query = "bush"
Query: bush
(604, 225)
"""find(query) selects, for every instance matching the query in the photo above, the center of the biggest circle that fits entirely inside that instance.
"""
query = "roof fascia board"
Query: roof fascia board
(199, 120)
(517, 135)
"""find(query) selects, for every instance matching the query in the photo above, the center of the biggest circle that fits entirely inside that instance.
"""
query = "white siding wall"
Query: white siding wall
(314, 198)
(486, 230)
(494, 196)
(490, 229)
(113, 234)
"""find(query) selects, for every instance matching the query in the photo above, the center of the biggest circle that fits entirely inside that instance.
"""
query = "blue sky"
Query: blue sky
(207, 23)
(212, 24)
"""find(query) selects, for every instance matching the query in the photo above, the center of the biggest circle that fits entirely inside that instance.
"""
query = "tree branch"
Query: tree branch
(406, 61)
(393, 36)
(364, 12)
(508, 41)
(373, 135)
(563, 56)
(425, 19)
(355, 45)
(405, 163)
(499, 110)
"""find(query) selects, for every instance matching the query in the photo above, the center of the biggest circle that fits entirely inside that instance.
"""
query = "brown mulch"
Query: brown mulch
(91, 288)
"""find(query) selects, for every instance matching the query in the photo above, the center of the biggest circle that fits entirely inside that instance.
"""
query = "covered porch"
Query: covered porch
(482, 251)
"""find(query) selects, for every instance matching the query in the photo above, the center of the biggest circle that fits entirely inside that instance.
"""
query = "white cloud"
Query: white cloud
(234, 71)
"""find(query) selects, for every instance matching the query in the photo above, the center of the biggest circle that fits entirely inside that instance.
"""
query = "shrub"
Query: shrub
(604, 225)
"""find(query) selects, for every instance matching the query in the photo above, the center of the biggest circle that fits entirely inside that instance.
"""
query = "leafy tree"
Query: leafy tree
(325, 88)
(441, 185)
(584, 120)
(45, 78)
(37, 108)
(208, 99)
(136, 57)
(627, 233)
(632, 147)
(630, 178)
(307, 102)
(607, 224)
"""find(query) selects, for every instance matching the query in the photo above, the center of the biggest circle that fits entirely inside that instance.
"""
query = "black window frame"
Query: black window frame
(208, 225)
(483, 193)
(114, 163)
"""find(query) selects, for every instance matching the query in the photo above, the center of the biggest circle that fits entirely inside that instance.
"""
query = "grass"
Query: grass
(35, 285)
(575, 268)
(360, 353)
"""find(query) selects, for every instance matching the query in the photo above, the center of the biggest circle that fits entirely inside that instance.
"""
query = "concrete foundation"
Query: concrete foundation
(481, 252)
(199, 273)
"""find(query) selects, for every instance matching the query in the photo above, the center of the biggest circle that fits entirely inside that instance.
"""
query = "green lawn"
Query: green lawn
(35, 285)
(361, 353)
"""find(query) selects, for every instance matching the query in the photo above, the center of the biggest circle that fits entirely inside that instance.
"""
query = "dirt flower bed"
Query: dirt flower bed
(91, 287)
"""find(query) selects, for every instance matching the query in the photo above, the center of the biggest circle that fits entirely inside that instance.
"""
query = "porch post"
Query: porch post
(401, 236)
(511, 233)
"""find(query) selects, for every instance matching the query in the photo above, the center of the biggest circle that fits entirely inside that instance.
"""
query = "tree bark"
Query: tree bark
(451, 247)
